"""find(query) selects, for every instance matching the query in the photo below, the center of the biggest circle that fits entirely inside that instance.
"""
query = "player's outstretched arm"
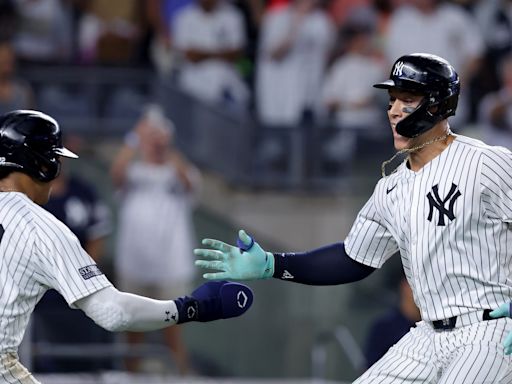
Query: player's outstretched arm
(121, 311)
(327, 265)
(505, 310)
(247, 261)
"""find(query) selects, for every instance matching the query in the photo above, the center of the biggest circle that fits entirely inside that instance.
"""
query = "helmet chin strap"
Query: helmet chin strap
(411, 150)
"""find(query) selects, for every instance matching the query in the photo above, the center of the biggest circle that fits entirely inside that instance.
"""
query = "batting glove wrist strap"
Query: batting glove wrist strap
(214, 301)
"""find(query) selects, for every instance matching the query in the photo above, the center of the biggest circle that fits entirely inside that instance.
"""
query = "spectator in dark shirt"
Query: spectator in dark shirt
(386, 330)
(75, 202)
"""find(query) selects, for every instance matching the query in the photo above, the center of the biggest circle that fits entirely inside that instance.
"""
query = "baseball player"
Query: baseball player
(447, 209)
(38, 252)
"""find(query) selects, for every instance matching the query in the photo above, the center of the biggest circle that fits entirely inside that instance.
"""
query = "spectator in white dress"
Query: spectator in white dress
(155, 234)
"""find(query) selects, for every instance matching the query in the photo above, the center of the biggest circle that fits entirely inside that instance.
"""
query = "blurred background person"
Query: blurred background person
(496, 109)
(494, 17)
(76, 202)
(155, 235)
(352, 104)
(340, 9)
(111, 32)
(387, 329)
(210, 36)
(14, 92)
(296, 41)
(161, 15)
(44, 31)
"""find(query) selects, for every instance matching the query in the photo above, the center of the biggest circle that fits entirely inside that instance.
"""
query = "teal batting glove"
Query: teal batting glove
(247, 262)
(505, 310)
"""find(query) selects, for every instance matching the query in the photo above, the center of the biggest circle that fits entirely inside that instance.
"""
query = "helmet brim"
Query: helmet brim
(64, 152)
(385, 84)
(408, 85)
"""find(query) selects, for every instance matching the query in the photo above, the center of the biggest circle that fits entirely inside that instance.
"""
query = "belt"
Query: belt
(461, 320)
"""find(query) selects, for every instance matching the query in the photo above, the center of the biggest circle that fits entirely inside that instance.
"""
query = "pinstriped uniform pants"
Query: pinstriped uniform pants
(471, 354)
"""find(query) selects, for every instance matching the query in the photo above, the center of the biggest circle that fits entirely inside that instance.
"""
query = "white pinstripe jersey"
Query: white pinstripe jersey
(451, 222)
(37, 252)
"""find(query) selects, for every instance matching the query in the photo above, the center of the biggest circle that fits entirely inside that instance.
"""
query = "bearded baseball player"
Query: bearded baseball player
(447, 209)
(38, 252)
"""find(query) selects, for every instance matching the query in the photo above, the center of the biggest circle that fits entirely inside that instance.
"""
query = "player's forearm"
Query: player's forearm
(120, 311)
(329, 265)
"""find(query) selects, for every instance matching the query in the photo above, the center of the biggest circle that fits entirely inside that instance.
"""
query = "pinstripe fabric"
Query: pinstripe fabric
(451, 222)
(37, 252)
(454, 264)
(467, 355)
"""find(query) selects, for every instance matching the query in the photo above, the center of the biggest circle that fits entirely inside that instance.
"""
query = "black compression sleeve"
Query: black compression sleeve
(328, 265)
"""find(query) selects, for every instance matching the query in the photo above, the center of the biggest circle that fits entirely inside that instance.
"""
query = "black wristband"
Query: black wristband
(188, 309)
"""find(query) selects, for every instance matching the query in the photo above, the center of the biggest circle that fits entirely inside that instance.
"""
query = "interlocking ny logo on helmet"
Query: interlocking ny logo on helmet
(432, 76)
(31, 142)
(397, 71)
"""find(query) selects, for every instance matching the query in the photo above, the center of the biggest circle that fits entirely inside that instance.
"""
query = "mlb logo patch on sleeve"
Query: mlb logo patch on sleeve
(90, 271)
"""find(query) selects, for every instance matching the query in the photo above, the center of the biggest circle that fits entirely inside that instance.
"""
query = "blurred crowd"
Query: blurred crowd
(284, 62)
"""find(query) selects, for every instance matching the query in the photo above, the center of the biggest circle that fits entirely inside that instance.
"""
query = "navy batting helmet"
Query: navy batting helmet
(428, 75)
(31, 142)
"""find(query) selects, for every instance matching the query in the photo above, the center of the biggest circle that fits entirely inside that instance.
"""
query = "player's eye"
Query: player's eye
(391, 102)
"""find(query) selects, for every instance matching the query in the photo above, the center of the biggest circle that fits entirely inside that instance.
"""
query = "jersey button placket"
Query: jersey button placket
(413, 236)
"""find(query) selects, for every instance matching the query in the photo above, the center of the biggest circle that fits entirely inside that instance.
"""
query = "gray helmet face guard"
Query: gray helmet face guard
(428, 75)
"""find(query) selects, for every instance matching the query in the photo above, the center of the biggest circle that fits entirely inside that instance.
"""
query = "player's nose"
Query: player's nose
(395, 108)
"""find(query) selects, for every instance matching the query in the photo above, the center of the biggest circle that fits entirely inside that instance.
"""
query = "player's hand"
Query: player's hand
(214, 300)
(505, 310)
(248, 261)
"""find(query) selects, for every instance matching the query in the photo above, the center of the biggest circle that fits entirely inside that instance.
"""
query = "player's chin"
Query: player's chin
(401, 142)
